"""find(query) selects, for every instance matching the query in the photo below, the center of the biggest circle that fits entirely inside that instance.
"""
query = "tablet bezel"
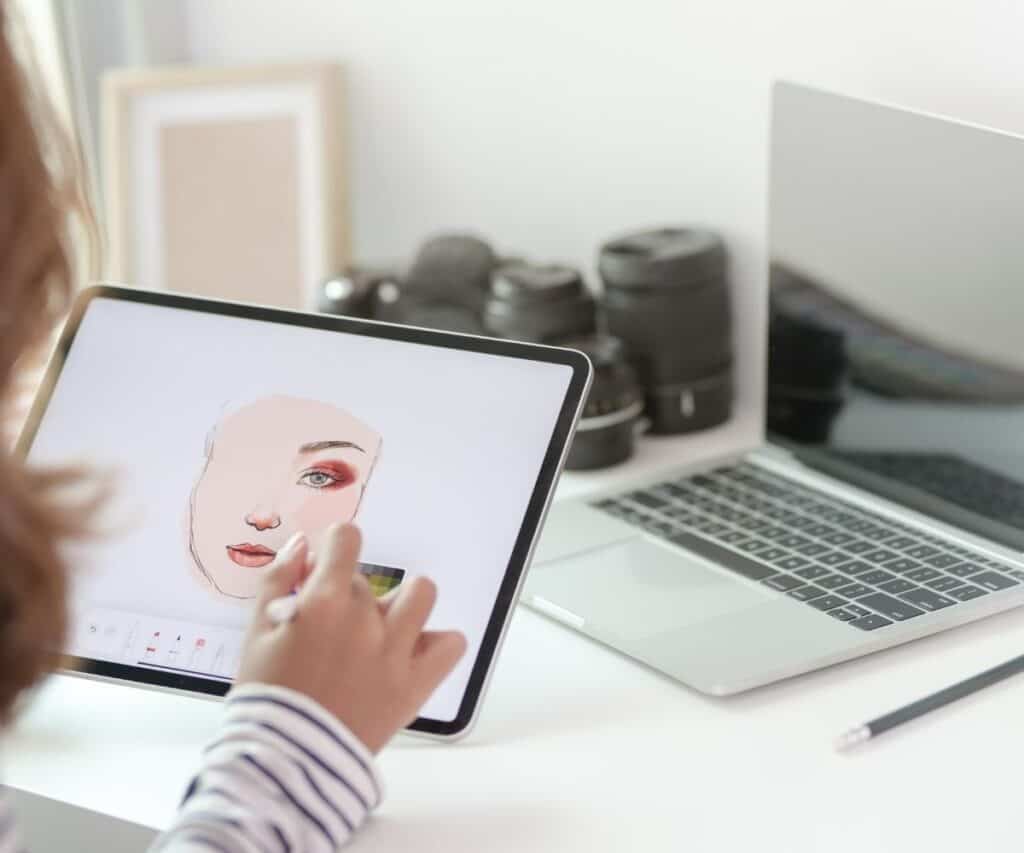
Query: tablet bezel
(535, 511)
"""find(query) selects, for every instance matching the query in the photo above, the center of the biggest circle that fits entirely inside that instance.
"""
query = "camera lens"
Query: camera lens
(352, 293)
(666, 297)
(538, 303)
(606, 431)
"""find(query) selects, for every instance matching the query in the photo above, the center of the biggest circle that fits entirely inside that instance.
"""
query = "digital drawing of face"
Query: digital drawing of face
(274, 467)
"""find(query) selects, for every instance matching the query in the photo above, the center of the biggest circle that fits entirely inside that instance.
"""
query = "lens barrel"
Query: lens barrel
(539, 303)
(666, 296)
(606, 432)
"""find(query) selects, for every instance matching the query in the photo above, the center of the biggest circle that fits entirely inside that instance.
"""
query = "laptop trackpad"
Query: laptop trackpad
(639, 588)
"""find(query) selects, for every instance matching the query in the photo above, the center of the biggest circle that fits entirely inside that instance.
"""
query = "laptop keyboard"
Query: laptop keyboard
(846, 562)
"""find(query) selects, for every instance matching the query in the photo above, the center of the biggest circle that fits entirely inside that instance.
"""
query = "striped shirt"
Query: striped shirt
(282, 775)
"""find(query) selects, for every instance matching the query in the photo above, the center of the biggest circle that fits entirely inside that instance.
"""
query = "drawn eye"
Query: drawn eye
(324, 478)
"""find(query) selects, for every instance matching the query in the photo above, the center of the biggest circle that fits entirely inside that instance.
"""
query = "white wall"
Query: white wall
(549, 125)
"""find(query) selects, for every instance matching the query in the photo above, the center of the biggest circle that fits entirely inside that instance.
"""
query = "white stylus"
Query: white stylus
(282, 609)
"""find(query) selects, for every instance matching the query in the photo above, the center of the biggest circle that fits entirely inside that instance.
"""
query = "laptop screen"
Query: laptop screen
(896, 358)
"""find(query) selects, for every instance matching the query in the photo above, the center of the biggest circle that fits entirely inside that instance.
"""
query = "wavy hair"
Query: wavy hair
(40, 196)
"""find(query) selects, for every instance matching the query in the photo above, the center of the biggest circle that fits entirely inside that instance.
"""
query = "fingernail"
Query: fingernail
(291, 546)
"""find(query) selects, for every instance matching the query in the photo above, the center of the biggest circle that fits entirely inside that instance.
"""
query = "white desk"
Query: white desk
(579, 748)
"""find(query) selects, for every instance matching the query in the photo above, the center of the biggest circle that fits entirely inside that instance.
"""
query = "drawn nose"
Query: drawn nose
(263, 520)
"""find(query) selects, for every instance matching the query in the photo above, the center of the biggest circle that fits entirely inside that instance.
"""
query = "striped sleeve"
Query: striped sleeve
(281, 775)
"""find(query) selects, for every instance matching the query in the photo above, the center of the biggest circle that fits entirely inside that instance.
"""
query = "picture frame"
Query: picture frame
(226, 182)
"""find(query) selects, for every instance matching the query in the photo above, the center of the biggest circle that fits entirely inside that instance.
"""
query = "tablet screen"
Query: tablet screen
(228, 434)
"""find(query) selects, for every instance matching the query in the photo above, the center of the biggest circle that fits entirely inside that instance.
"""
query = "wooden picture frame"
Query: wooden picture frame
(226, 182)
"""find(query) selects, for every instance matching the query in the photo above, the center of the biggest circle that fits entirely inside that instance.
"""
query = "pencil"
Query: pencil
(929, 703)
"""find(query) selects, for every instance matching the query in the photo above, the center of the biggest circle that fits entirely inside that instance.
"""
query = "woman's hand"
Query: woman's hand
(367, 661)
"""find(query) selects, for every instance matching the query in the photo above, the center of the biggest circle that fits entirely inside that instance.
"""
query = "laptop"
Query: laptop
(887, 501)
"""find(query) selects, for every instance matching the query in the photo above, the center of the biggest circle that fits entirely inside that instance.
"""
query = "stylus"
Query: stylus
(929, 703)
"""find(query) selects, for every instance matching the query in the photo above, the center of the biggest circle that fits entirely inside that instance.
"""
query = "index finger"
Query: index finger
(336, 561)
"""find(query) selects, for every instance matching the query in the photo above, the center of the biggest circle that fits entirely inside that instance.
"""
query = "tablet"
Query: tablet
(229, 427)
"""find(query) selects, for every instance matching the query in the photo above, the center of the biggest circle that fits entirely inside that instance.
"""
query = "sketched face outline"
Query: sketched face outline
(273, 467)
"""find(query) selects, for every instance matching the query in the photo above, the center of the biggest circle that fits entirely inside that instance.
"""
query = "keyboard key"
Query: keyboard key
(843, 614)
(791, 564)
(647, 499)
(783, 583)
(812, 572)
(922, 552)
(993, 581)
(860, 546)
(880, 555)
(715, 528)
(833, 558)
(870, 622)
(818, 530)
(806, 593)
(752, 546)
(793, 541)
(964, 570)
(876, 533)
(722, 556)
(1002, 567)
(923, 574)
(926, 599)
(901, 543)
(774, 533)
(829, 602)
(853, 590)
(732, 537)
(833, 581)
(838, 539)
(966, 593)
(857, 610)
(897, 586)
(902, 565)
(945, 583)
(943, 561)
(772, 554)
(876, 577)
(891, 608)
(856, 567)
(814, 549)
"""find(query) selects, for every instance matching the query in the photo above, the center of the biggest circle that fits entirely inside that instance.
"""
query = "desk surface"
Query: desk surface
(580, 748)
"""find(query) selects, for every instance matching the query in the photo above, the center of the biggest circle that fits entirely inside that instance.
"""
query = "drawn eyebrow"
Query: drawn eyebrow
(314, 446)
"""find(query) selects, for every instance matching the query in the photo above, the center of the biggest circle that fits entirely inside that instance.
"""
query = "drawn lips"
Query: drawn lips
(251, 556)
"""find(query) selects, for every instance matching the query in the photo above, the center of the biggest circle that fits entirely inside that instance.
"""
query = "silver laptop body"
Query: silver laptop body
(899, 232)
